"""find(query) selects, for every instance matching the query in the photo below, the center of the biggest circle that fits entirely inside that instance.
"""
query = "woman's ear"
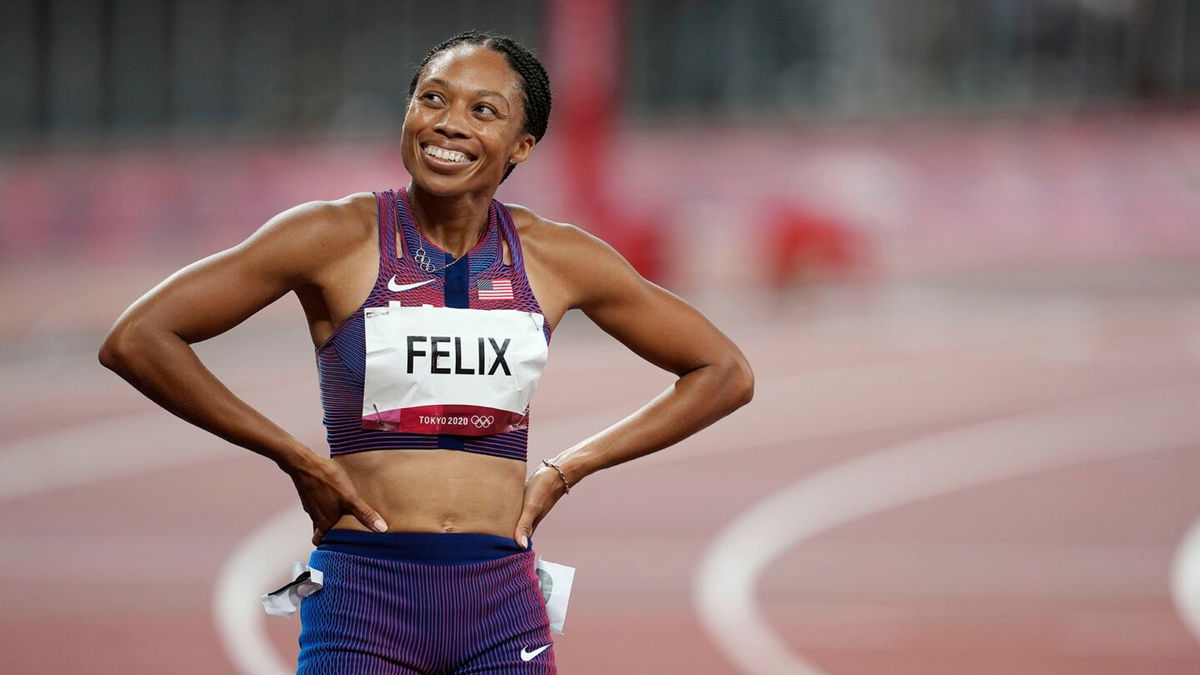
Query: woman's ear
(522, 149)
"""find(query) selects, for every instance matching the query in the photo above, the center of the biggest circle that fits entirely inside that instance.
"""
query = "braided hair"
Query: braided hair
(535, 85)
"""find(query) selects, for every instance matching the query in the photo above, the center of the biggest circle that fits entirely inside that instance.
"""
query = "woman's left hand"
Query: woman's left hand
(542, 492)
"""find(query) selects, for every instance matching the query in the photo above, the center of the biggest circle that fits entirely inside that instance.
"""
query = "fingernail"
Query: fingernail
(380, 525)
(524, 541)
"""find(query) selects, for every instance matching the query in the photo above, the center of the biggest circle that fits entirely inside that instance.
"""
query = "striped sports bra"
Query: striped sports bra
(442, 353)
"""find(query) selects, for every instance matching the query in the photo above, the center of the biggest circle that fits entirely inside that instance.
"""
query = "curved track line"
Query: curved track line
(1158, 419)
(1185, 579)
(256, 566)
(252, 566)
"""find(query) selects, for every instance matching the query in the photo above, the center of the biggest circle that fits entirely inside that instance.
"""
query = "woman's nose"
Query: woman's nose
(451, 122)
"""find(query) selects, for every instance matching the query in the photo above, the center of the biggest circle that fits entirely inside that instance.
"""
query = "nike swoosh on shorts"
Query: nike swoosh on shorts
(525, 656)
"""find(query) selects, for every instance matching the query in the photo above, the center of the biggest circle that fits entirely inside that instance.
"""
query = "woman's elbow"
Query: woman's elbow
(110, 354)
(118, 347)
(739, 382)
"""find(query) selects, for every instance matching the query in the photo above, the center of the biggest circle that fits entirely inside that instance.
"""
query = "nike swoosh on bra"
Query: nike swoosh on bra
(393, 286)
(525, 656)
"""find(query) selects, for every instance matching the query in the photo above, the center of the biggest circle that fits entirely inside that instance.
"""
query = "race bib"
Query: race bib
(444, 370)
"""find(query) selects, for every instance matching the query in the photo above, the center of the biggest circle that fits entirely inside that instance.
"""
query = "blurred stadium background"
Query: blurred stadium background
(958, 240)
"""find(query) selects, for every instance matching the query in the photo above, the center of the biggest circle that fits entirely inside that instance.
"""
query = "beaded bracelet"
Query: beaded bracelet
(566, 485)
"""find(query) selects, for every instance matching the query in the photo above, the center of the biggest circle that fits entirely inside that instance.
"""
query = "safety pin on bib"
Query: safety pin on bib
(384, 425)
(517, 424)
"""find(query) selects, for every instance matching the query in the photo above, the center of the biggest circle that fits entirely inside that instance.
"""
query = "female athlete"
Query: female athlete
(431, 309)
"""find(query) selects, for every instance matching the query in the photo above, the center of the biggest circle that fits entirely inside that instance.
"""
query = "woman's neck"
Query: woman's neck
(453, 223)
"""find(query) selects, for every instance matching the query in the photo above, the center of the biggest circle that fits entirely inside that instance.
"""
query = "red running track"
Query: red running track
(118, 519)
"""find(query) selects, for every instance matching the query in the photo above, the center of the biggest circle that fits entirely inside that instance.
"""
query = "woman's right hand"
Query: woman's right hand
(326, 492)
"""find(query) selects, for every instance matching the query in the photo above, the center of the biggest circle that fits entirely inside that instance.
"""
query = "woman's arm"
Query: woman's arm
(149, 346)
(714, 377)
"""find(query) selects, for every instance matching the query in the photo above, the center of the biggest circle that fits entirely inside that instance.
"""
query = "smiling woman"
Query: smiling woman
(442, 78)
(431, 309)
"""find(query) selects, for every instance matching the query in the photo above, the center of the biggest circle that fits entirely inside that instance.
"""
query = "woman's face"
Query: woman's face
(464, 122)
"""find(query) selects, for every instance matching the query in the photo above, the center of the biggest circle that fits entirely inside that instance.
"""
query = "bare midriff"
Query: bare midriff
(437, 490)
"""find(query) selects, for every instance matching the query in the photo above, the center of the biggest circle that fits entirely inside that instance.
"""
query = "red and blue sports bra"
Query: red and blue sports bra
(443, 353)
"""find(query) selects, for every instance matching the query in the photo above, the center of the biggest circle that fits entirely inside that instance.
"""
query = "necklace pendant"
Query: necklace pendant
(422, 259)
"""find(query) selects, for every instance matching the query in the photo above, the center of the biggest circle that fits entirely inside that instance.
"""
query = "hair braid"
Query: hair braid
(535, 84)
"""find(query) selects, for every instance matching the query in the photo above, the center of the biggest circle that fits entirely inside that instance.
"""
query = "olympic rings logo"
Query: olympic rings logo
(482, 421)
(423, 260)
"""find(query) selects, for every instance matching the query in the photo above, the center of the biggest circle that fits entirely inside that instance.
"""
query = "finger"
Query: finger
(368, 516)
(524, 529)
(317, 534)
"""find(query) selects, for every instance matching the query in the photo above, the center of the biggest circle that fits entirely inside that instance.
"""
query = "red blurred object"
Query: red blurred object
(641, 239)
(802, 245)
(584, 39)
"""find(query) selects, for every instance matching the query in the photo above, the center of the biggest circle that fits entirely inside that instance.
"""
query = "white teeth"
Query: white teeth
(448, 155)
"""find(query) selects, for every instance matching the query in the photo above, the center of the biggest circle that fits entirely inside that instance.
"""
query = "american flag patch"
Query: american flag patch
(495, 289)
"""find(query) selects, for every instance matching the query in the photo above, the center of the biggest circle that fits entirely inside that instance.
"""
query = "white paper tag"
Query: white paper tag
(306, 580)
(556, 582)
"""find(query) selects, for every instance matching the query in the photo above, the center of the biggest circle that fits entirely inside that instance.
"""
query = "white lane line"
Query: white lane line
(1185, 579)
(110, 448)
(153, 440)
(1145, 421)
(130, 444)
(256, 566)
(276, 545)
(817, 406)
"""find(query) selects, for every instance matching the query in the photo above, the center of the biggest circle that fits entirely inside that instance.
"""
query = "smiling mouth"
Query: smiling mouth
(447, 155)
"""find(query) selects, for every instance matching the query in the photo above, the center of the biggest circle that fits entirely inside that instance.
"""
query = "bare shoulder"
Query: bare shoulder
(583, 267)
(325, 223)
(554, 243)
(306, 237)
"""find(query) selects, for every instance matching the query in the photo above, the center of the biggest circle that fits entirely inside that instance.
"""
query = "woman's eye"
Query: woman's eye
(485, 108)
(432, 96)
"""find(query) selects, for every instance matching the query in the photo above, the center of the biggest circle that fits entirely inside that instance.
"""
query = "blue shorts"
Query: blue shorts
(424, 602)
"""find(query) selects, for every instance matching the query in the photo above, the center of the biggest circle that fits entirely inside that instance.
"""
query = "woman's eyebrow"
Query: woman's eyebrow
(478, 92)
(489, 92)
